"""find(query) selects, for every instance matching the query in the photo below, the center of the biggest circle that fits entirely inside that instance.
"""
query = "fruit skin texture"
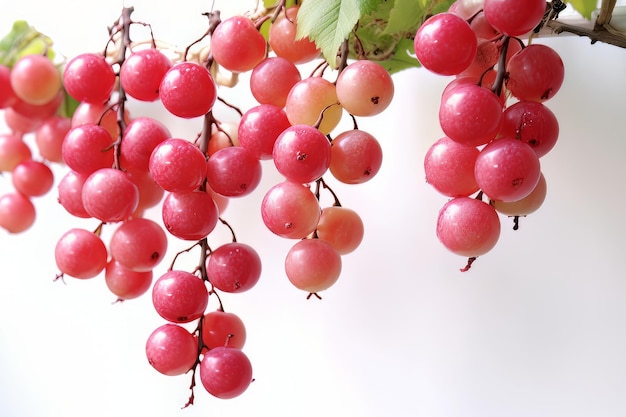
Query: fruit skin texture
(188, 90)
(514, 17)
(81, 254)
(225, 372)
(507, 169)
(171, 349)
(180, 296)
(237, 45)
(364, 88)
(468, 227)
(536, 73)
(78, 78)
(445, 44)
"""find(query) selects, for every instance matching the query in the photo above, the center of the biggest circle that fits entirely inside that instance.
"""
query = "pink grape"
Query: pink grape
(237, 45)
(507, 169)
(7, 95)
(18, 123)
(364, 88)
(535, 73)
(177, 165)
(468, 227)
(70, 190)
(125, 283)
(171, 349)
(109, 195)
(342, 228)
(445, 44)
(514, 18)
(13, 151)
(527, 205)
(272, 79)
(259, 128)
(179, 296)
(142, 72)
(482, 28)
(290, 210)
(17, 212)
(313, 265)
(225, 372)
(102, 114)
(150, 193)
(234, 267)
(87, 148)
(533, 123)
(233, 171)
(283, 41)
(189, 216)
(449, 167)
(35, 79)
(49, 137)
(89, 77)
(356, 157)
(138, 244)
(140, 138)
(32, 178)
(220, 328)
(188, 90)
(39, 112)
(302, 153)
(470, 114)
(312, 98)
(223, 135)
(80, 253)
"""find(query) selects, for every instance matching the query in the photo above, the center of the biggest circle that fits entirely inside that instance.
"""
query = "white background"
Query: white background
(535, 328)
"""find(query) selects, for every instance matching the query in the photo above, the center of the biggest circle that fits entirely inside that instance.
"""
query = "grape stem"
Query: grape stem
(501, 75)
(470, 261)
(319, 184)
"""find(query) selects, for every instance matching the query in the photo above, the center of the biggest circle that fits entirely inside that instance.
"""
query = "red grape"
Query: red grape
(290, 210)
(125, 283)
(220, 328)
(189, 216)
(468, 227)
(171, 349)
(234, 267)
(89, 77)
(142, 72)
(364, 88)
(17, 212)
(138, 244)
(355, 157)
(225, 372)
(507, 169)
(302, 153)
(237, 45)
(188, 90)
(80, 253)
(313, 265)
(445, 44)
(180, 296)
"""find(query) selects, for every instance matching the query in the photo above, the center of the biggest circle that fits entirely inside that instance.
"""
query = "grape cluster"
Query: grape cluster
(118, 166)
(495, 123)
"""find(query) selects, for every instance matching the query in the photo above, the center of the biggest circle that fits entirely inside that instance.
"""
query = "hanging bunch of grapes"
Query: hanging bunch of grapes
(493, 116)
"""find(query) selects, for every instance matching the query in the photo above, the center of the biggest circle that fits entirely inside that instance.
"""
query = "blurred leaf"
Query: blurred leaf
(584, 7)
(23, 39)
(403, 57)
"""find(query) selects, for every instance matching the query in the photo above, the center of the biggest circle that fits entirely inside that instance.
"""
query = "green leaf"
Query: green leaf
(23, 39)
(328, 23)
(405, 16)
(403, 57)
(584, 7)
